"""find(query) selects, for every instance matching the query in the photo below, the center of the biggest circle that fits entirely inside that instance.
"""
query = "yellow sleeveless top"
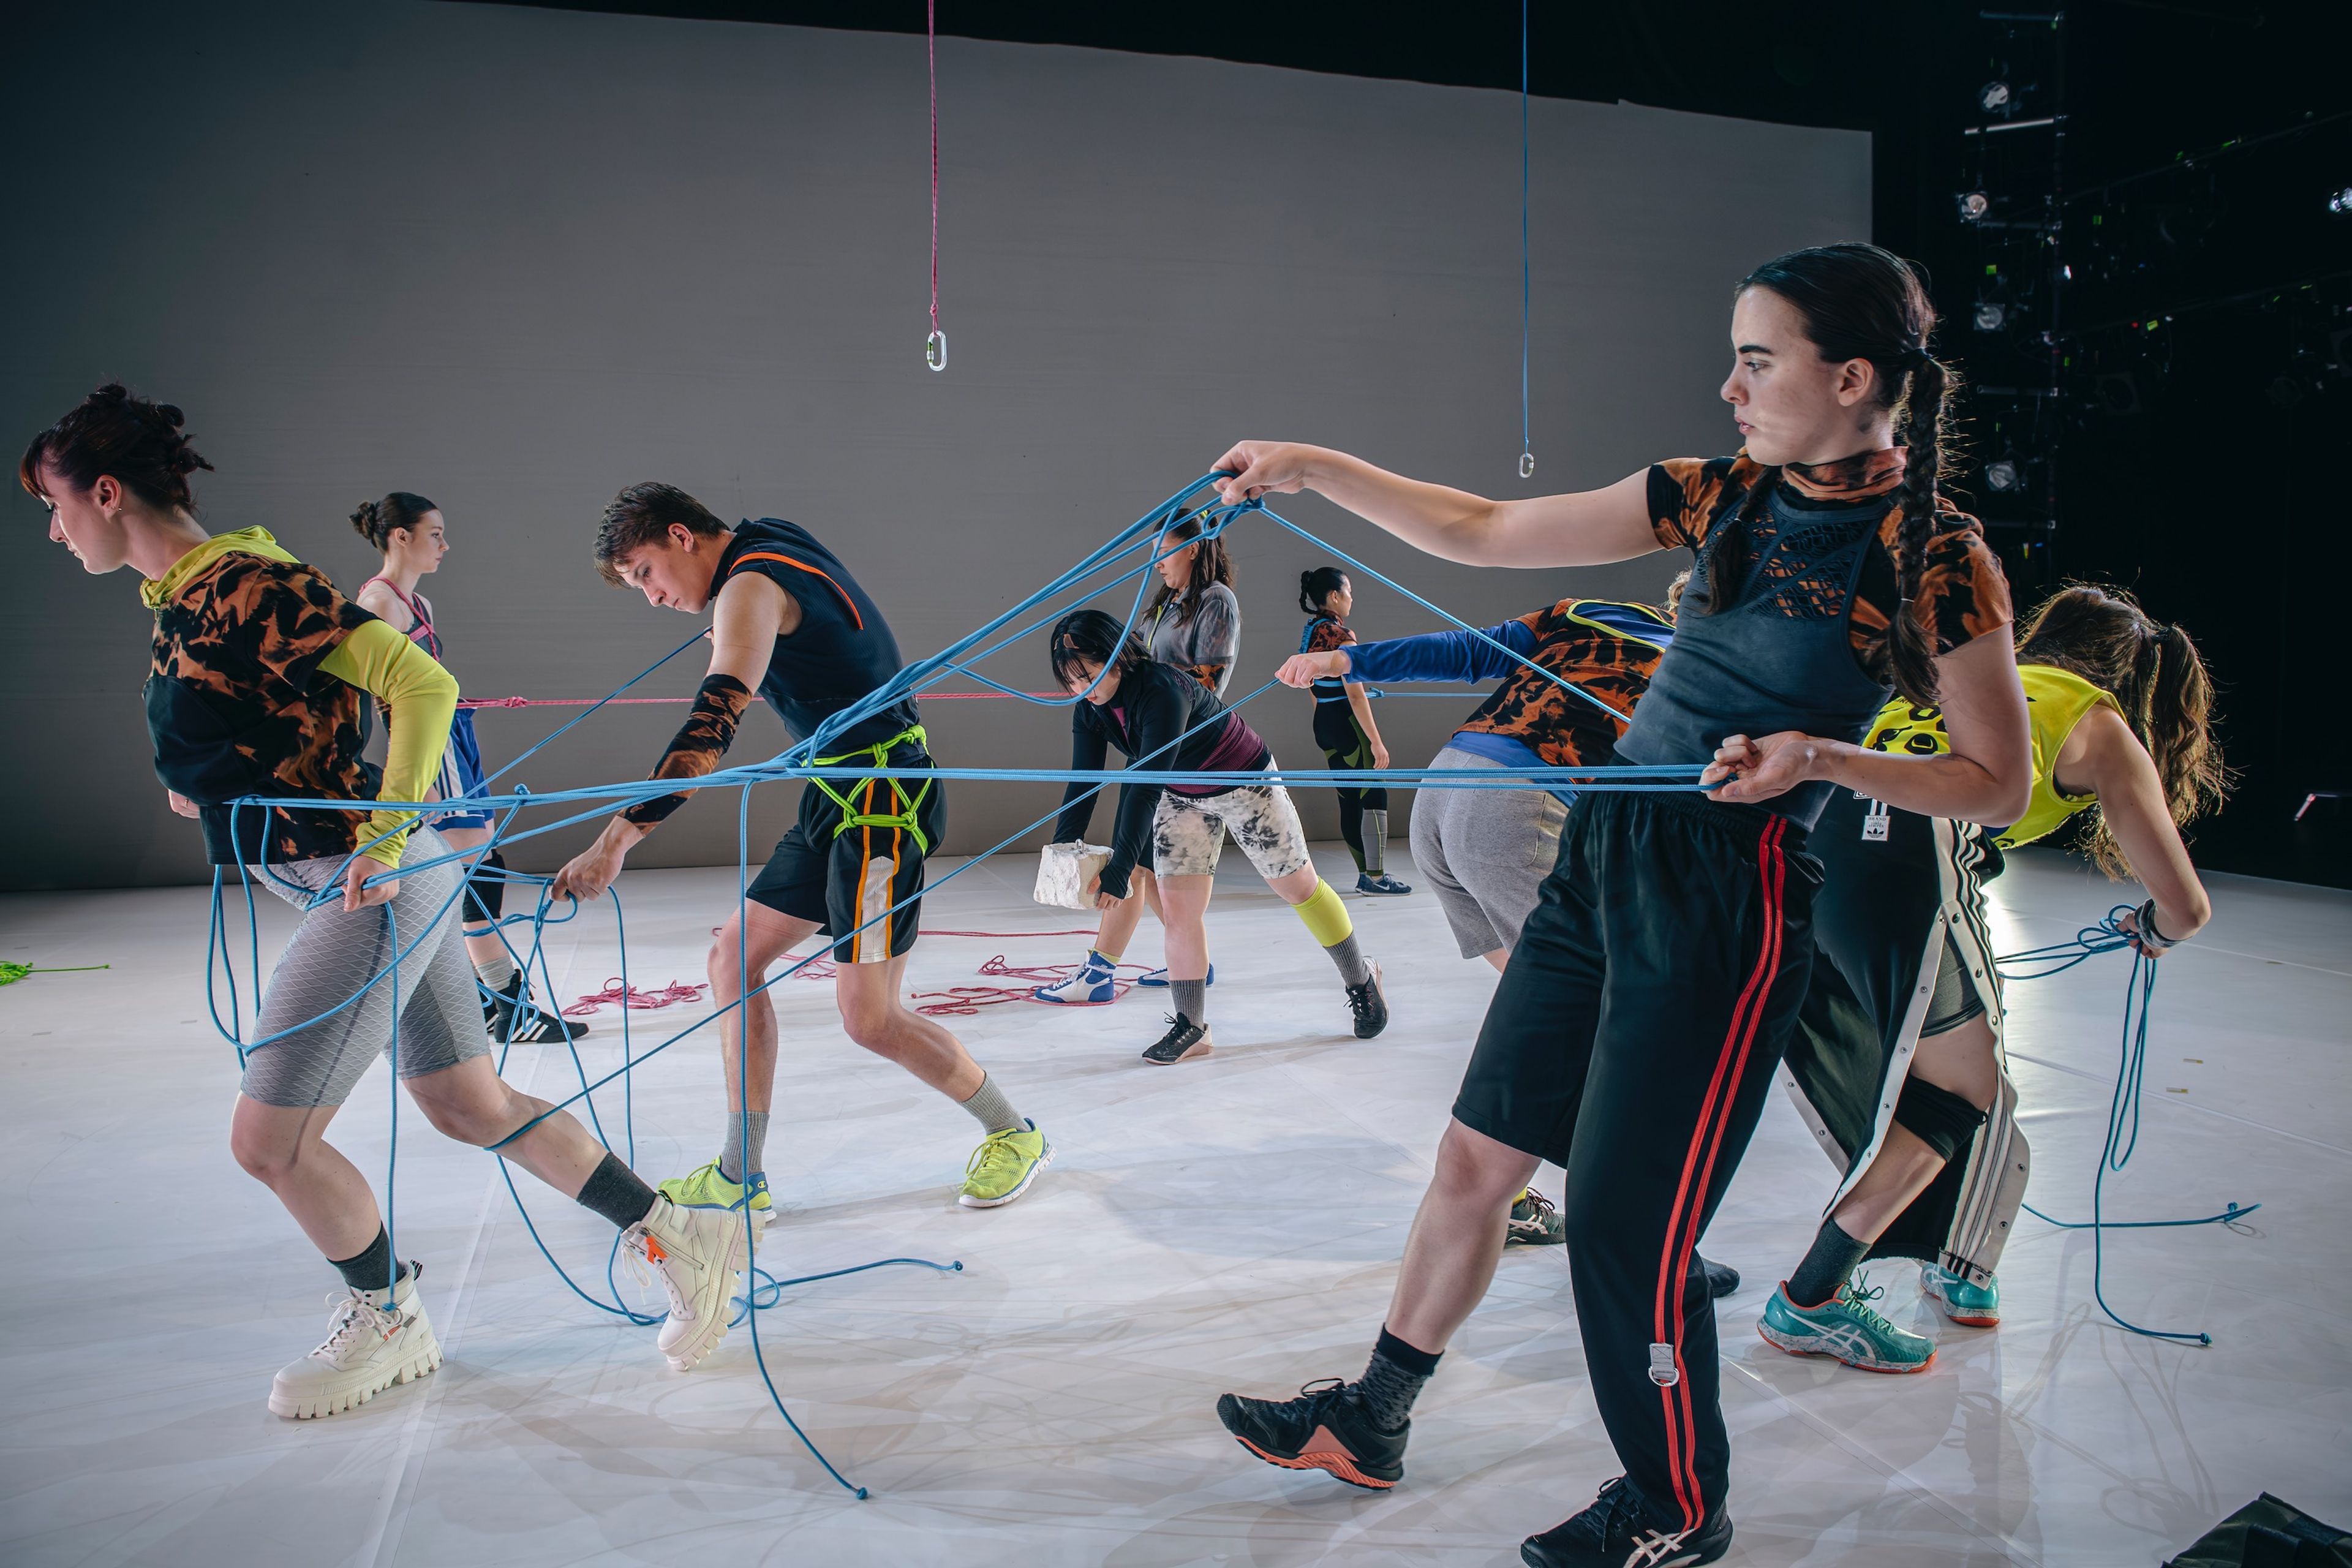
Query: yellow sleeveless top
(2055, 702)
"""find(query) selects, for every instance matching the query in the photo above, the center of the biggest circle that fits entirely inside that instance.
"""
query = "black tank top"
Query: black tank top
(1780, 655)
(841, 651)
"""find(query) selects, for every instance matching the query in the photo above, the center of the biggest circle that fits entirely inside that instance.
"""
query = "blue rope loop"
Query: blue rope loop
(2123, 1104)
(764, 1290)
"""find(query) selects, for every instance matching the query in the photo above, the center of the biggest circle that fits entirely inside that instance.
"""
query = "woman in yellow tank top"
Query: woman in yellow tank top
(1897, 1066)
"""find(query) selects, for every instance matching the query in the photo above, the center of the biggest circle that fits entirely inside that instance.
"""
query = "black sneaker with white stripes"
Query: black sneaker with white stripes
(1535, 1222)
(1618, 1532)
(1369, 1008)
(1183, 1039)
(514, 1019)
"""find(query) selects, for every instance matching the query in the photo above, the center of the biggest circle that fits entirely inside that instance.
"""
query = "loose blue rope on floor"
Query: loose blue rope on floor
(2123, 1105)
(763, 1290)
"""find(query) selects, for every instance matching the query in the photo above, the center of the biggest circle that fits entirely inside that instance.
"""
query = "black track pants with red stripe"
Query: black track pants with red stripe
(1632, 1040)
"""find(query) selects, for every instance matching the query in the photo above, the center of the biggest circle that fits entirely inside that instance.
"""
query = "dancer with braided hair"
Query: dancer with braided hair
(1647, 1001)
(1896, 1064)
(413, 537)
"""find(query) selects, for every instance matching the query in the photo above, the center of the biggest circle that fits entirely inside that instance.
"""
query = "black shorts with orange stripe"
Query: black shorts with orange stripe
(1634, 1039)
(845, 876)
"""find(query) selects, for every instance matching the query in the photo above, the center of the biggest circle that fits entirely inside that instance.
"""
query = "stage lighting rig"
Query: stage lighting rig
(2340, 202)
(1991, 315)
(1974, 205)
(1995, 98)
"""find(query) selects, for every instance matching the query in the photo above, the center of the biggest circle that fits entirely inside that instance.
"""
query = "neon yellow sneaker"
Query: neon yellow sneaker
(1003, 1167)
(707, 1189)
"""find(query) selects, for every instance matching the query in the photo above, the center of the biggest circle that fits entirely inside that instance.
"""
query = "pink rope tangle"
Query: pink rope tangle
(635, 997)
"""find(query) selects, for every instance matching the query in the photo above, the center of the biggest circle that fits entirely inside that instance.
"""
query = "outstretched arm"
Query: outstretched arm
(1585, 529)
(748, 617)
(2103, 757)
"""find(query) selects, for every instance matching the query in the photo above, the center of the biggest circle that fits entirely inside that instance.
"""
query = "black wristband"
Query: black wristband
(2147, 929)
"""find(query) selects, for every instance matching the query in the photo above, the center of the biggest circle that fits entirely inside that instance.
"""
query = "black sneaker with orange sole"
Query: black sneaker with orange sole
(1322, 1429)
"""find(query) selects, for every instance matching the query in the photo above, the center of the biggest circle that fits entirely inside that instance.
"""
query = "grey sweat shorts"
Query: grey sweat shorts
(1486, 852)
(334, 955)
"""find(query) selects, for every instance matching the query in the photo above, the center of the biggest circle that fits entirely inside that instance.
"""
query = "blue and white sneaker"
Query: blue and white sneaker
(1096, 983)
(1845, 1328)
(1977, 1306)
(1159, 977)
(1380, 887)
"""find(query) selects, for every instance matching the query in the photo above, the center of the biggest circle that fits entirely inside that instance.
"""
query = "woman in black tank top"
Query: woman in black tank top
(1636, 1029)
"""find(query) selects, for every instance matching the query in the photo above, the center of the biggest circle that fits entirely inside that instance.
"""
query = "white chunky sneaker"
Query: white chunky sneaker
(696, 1253)
(377, 1338)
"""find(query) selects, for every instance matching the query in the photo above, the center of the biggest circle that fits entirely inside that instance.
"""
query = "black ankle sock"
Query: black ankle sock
(616, 1191)
(1825, 1268)
(372, 1269)
(1392, 1379)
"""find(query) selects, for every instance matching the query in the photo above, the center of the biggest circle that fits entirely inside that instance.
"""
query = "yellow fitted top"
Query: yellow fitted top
(2055, 702)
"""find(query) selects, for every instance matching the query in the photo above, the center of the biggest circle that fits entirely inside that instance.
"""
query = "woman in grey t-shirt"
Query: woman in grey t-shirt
(1194, 622)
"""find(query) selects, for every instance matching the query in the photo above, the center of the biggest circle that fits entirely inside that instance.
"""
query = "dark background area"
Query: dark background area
(2193, 438)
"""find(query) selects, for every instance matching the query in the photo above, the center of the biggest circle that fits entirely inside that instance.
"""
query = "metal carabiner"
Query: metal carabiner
(1527, 465)
(935, 349)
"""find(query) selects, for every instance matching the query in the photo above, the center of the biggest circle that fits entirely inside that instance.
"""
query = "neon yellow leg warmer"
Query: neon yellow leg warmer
(1326, 916)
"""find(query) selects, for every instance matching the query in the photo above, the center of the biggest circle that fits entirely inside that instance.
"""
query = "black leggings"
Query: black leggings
(1346, 748)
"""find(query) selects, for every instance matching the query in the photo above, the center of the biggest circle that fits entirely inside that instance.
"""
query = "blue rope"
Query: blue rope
(2123, 1104)
(1526, 273)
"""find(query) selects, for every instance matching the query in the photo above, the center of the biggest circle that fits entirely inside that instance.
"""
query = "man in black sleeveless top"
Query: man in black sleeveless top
(788, 620)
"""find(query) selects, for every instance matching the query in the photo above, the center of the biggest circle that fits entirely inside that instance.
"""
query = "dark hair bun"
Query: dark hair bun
(114, 432)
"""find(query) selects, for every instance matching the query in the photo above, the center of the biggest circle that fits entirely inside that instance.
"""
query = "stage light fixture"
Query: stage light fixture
(1974, 205)
(2340, 203)
(2001, 475)
(1994, 96)
(1990, 317)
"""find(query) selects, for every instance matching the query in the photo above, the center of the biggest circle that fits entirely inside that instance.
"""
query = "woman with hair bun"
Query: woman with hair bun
(1898, 1064)
(413, 537)
(260, 671)
(1638, 1024)
(1345, 729)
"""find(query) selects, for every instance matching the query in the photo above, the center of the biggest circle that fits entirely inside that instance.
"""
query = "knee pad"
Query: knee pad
(1941, 1119)
(1326, 917)
(486, 895)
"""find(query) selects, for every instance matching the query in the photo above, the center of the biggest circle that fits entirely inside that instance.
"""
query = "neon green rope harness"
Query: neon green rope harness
(12, 971)
(907, 807)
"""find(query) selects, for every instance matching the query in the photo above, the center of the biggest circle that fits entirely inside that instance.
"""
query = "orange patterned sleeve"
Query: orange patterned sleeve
(1963, 591)
(1688, 496)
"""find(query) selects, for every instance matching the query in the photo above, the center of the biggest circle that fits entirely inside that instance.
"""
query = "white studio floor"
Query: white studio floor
(1230, 1224)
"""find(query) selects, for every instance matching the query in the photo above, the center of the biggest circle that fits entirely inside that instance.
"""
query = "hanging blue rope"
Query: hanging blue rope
(1526, 270)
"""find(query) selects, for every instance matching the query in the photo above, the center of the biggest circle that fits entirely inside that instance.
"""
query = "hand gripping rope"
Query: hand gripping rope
(2123, 1106)
(810, 760)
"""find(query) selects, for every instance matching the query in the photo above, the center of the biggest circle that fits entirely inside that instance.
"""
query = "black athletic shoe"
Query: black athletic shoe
(1371, 1008)
(1535, 1223)
(1616, 1531)
(1183, 1039)
(1319, 1430)
(1722, 1279)
(516, 1020)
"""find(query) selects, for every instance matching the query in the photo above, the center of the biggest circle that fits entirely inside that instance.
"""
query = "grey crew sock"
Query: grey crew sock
(1192, 998)
(991, 1109)
(1354, 968)
(1391, 1381)
(744, 1153)
(1376, 844)
(498, 972)
(1826, 1266)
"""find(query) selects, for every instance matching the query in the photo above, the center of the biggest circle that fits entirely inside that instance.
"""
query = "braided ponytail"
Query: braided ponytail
(1910, 655)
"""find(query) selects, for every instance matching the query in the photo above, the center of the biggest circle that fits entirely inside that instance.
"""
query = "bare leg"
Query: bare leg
(285, 1149)
(1959, 1059)
(1119, 921)
(470, 1103)
(878, 1020)
(1298, 887)
(756, 936)
(1184, 909)
(1457, 1235)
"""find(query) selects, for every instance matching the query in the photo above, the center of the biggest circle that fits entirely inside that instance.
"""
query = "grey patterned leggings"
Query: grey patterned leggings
(334, 955)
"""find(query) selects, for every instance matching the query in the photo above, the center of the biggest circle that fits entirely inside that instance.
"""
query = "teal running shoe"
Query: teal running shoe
(1977, 1306)
(1845, 1328)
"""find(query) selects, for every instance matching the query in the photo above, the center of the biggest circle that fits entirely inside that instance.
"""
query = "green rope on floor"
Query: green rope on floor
(12, 971)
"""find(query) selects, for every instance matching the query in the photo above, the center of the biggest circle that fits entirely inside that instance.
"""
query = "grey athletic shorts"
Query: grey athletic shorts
(1486, 852)
(334, 955)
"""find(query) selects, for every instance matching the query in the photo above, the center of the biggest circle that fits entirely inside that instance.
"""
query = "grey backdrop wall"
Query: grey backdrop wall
(515, 260)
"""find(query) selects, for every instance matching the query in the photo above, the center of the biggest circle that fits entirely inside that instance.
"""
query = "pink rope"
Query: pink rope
(961, 1000)
(481, 702)
(635, 997)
